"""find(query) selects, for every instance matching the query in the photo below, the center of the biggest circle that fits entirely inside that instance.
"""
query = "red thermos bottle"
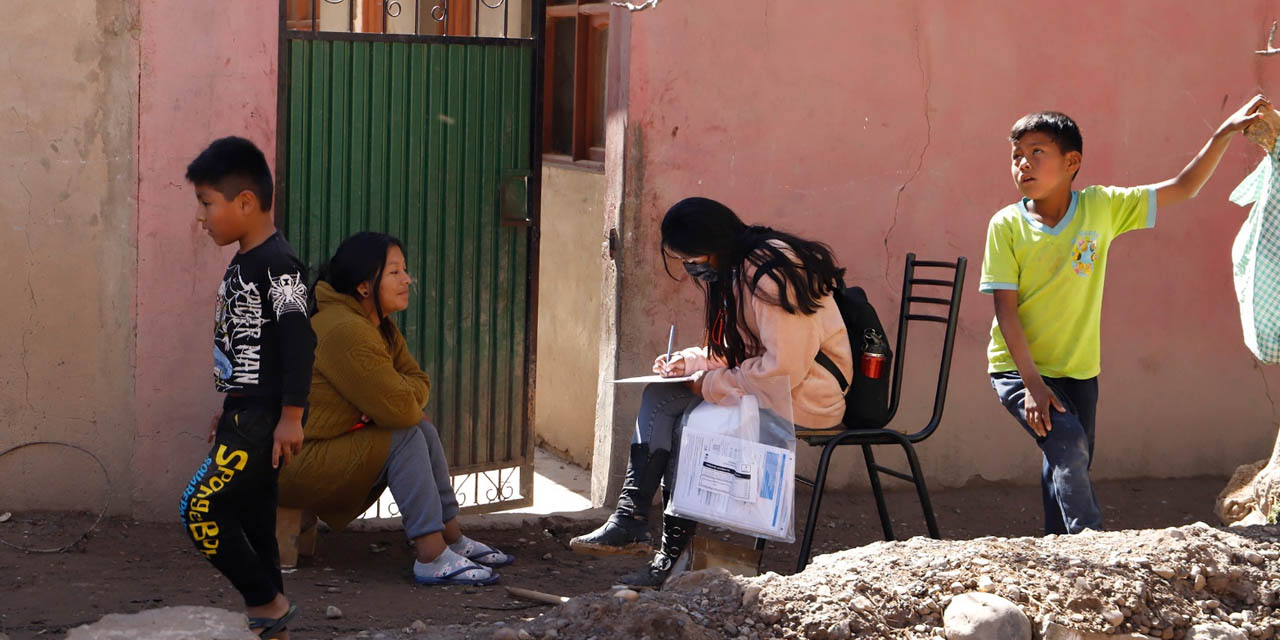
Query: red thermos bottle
(874, 355)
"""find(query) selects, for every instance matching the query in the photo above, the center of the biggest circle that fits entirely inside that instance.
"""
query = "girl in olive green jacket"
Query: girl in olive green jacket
(367, 430)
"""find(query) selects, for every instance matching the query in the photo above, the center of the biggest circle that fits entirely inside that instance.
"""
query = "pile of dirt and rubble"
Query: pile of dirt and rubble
(1160, 583)
(129, 567)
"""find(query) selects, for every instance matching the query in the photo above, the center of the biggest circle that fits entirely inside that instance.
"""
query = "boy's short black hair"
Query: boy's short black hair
(1058, 126)
(231, 165)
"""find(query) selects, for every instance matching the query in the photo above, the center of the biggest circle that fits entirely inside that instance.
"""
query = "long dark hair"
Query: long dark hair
(701, 226)
(360, 258)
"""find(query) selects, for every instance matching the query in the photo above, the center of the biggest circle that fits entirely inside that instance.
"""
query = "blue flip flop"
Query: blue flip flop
(486, 555)
(493, 559)
(272, 626)
(453, 579)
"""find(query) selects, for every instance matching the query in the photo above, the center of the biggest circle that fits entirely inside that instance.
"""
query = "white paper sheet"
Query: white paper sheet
(651, 379)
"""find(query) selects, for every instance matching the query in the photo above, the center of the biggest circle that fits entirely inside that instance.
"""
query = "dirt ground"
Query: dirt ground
(127, 566)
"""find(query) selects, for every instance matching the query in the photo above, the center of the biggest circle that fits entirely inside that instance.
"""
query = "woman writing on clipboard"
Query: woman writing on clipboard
(769, 310)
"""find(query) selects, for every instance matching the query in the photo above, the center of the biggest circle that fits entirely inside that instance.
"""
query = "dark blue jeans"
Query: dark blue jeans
(1070, 505)
(662, 407)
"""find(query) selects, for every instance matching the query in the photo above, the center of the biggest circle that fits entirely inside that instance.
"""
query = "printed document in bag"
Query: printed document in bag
(735, 482)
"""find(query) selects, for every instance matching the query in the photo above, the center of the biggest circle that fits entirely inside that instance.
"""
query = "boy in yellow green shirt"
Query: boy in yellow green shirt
(1045, 263)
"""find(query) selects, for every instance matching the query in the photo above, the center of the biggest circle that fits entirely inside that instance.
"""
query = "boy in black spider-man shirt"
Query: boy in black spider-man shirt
(262, 353)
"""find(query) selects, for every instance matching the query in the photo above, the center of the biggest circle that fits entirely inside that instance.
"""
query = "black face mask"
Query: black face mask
(702, 271)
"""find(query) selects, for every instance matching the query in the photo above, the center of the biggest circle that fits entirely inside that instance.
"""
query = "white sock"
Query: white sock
(447, 563)
(468, 548)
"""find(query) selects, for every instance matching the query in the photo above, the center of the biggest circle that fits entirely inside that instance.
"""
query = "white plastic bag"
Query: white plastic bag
(736, 466)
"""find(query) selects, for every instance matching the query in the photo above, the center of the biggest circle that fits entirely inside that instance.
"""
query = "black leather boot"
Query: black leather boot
(676, 534)
(627, 530)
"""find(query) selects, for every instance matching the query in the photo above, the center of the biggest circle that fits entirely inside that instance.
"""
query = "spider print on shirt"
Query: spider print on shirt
(288, 293)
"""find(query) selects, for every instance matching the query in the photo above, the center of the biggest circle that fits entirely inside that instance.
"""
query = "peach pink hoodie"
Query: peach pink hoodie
(790, 342)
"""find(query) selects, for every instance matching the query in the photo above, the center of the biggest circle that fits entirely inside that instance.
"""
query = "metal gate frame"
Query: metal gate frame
(470, 476)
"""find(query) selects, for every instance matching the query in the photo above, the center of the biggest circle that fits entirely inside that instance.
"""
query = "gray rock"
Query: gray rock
(168, 623)
(862, 603)
(839, 631)
(333, 613)
(1215, 631)
(1112, 616)
(984, 616)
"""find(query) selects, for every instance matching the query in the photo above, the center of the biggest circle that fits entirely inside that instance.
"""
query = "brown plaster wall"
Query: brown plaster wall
(68, 114)
(569, 294)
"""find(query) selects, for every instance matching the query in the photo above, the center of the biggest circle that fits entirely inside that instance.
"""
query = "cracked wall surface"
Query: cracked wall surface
(880, 128)
(68, 113)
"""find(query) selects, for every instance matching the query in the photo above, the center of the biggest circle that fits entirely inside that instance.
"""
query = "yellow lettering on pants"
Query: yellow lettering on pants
(225, 459)
(202, 530)
(210, 548)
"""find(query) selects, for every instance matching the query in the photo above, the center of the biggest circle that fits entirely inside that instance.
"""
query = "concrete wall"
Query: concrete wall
(891, 137)
(198, 83)
(569, 274)
(67, 129)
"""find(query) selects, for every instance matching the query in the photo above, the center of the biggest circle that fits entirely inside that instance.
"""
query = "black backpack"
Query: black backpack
(866, 399)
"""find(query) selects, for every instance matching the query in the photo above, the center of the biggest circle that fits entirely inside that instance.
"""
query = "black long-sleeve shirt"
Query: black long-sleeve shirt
(263, 345)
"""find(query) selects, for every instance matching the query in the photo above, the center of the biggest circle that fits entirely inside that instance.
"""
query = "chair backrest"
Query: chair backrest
(953, 272)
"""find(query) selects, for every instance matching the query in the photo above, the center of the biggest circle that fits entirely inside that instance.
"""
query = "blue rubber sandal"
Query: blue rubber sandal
(453, 579)
(272, 626)
(481, 553)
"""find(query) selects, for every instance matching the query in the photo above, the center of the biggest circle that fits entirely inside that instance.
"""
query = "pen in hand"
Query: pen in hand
(671, 336)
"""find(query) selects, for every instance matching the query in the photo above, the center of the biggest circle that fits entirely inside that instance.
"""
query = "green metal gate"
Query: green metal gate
(431, 139)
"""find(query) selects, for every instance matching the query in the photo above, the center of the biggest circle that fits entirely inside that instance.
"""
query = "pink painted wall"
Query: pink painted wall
(208, 70)
(880, 128)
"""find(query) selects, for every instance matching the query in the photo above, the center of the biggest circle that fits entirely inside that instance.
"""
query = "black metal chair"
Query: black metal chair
(829, 439)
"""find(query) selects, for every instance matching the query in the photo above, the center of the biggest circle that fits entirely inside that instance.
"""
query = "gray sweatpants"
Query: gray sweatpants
(418, 476)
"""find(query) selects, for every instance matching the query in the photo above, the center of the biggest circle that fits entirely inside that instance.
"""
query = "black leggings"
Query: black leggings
(229, 507)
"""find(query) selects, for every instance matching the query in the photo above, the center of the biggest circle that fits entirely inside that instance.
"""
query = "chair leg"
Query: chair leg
(819, 484)
(760, 542)
(918, 479)
(878, 492)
